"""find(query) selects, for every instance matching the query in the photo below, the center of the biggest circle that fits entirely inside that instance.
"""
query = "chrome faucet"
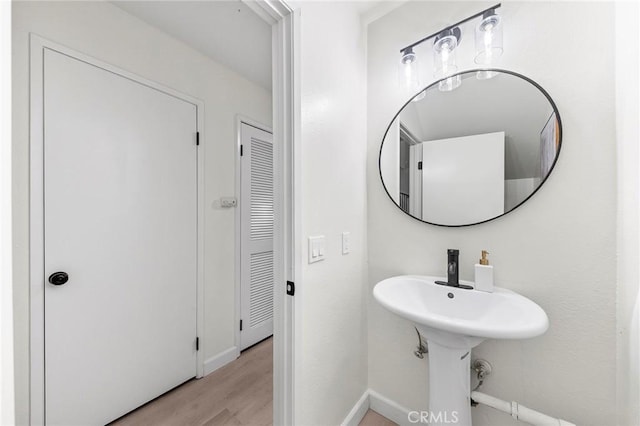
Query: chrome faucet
(452, 270)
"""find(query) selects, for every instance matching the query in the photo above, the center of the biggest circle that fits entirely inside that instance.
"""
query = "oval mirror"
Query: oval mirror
(469, 155)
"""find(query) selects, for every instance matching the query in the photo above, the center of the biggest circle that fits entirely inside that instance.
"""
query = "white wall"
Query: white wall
(108, 33)
(627, 17)
(331, 359)
(559, 249)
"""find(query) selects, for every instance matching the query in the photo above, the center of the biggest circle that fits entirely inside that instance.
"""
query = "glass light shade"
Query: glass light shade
(488, 39)
(444, 60)
(409, 73)
(444, 56)
(408, 70)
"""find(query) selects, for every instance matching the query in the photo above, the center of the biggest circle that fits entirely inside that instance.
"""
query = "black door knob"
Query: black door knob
(58, 278)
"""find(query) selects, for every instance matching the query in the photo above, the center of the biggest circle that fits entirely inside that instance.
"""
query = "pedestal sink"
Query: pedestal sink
(454, 320)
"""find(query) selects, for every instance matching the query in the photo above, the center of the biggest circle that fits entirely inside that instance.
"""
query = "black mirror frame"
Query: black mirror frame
(532, 82)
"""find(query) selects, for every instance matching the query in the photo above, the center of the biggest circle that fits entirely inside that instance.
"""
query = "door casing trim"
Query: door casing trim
(287, 203)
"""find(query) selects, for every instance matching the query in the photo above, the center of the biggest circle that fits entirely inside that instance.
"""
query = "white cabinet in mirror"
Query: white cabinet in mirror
(468, 156)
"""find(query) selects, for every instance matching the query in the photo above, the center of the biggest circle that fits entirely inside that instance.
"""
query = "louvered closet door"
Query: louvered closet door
(256, 206)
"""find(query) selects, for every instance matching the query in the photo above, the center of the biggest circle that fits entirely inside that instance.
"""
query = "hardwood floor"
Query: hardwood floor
(374, 419)
(240, 393)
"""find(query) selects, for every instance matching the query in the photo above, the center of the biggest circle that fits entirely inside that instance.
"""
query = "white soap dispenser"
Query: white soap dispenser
(484, 274)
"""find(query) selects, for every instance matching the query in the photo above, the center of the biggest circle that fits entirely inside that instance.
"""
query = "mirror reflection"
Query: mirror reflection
(466, 156)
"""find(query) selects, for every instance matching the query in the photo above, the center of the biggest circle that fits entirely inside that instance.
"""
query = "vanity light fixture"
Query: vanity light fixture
(488, 47)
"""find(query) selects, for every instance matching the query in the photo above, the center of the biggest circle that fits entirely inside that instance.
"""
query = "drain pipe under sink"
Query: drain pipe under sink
(517, 411)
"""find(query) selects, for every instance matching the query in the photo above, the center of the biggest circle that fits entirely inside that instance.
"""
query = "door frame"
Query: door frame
(287, 311)
(36, 220)
(7, 394)
(240, 119)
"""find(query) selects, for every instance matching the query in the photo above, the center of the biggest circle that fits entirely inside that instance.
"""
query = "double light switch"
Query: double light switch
(316, 249)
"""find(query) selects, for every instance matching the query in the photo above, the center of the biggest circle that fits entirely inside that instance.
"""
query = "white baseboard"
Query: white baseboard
(388, 408)
(220, 360)
(382, 405)
(358, 411)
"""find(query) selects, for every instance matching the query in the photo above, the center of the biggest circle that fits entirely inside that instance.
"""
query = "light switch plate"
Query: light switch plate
(316, 249)
(346, 242)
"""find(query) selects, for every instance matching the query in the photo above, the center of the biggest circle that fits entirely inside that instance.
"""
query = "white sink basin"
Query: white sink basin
(468, 314)
(454, 320)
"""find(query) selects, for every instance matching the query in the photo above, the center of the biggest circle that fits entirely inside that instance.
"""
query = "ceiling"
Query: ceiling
(226, 31)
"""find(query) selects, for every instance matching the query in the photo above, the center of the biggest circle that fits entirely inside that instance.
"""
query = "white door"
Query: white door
(463, 179)
(120, 219)
(256, 239)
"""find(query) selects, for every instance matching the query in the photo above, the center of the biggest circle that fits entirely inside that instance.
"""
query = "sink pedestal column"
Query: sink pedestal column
(449, 385)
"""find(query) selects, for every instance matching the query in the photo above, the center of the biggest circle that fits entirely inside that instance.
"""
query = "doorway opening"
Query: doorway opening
(211, 255)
